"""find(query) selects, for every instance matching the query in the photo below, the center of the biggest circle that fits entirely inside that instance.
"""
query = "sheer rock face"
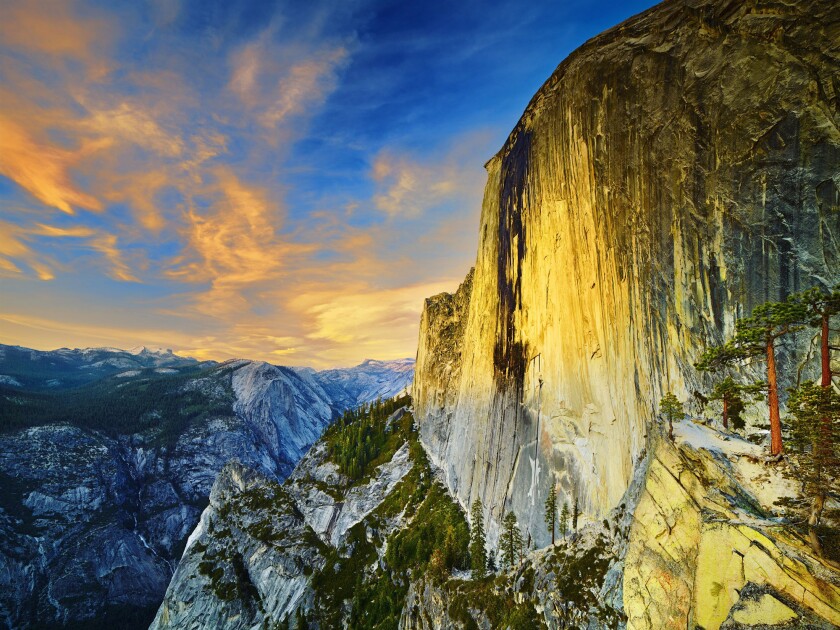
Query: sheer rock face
(673, 173)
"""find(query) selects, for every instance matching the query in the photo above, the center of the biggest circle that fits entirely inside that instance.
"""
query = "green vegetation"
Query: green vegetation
(511, 541)
(433, 542)
(439, 525)
(820, 306)
(229, 579)
(580, 571)
(478, 541)
(165, 403)
(672, 409)
(814, 455)
(756, 337)
(495, 599)
(551, 510)
(731, 396)
(361, 440)
(564, 520)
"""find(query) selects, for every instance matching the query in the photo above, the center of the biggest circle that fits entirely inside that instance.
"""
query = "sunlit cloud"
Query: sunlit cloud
(132, 124)
(55, 29)
(232, 243)
(407, 186)
(42, 170)
(118, 268)
(15, 245)
(380, 322)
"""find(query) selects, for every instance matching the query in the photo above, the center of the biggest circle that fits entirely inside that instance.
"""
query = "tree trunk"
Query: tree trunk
(725, 413)
(773, 400)
(825, 355)
(825, 445)
(670, 428)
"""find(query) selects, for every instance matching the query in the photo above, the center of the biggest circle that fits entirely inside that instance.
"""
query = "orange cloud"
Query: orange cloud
(53, 29)
(407, 187)
(15, 245)
(358, 320)
(42, 169)
(106, 244)
(133, 124)
(233, 245)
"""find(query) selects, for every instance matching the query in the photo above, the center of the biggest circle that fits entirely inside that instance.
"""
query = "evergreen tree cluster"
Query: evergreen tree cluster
(123, 405)
(358, 437)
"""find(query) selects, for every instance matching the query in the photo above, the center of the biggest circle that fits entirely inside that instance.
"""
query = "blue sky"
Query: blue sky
(282, 181)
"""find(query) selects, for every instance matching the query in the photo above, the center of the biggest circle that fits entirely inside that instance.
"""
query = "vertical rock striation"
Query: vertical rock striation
(673, 172)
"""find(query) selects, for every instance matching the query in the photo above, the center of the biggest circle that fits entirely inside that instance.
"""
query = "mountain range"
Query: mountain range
(108, 457)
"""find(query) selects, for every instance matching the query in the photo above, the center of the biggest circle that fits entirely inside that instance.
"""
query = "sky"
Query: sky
(280, 181)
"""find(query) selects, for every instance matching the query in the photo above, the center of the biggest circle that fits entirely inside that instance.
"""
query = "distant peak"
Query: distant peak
(149, 350)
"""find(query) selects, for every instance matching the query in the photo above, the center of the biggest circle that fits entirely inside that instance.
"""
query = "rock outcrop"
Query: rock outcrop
(673, 173)
(694, 543)
(253, 558)
(706, 550)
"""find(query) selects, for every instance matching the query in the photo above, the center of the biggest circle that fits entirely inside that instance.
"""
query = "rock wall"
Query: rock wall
(674, 172)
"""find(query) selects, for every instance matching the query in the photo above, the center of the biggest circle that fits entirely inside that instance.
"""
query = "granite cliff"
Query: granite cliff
(674, 172)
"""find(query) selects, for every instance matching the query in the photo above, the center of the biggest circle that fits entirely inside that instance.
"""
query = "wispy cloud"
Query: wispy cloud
(57, 33)
(232, 243)
(42, 169)
(276, 81)
(407, 186)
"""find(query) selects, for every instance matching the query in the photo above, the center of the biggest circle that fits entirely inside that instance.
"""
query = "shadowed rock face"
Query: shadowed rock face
(673, 173)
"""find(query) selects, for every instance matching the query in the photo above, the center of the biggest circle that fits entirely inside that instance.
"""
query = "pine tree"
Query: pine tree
(551, 511)
(671, 408)
(478, 551)
(437, 566)
(815, 451)
(300, 620)
(731, 396)
(756, 336)
(564, 519)
(491, 564)
(511, 541)
(820, 307)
